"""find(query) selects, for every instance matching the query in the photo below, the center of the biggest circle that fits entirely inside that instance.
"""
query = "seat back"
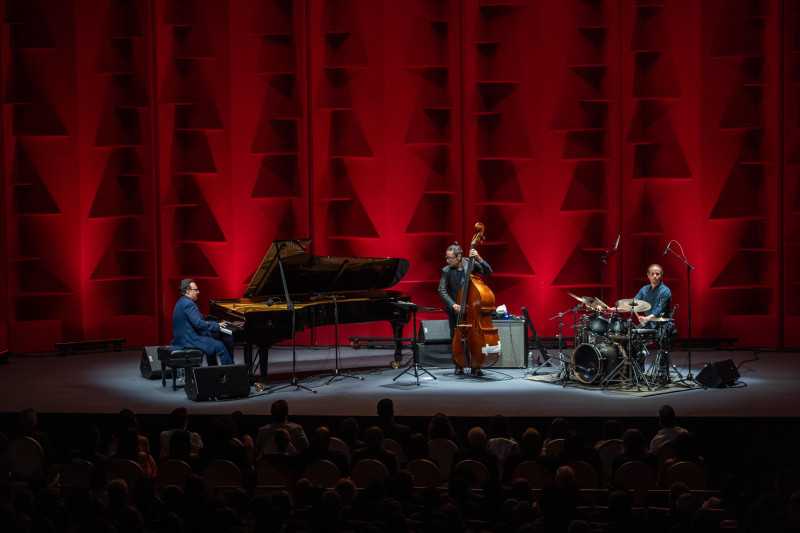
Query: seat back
(609, 450)
(394, 447)
(221, 474)
(25, 458)
(537, 476)
(125, 469)
(637, 477)
(173, 472)
(586, 477)
(554, 448)
(77, 473)
(443, 451)
(690, 474)
(323, 473)
(425, 473)
(273, 475)
(665, 452)
(477, 469)
(366, 470)
(338, 445)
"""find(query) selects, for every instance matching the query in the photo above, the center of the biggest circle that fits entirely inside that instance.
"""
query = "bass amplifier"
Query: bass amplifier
(513, 352)
(511, 331)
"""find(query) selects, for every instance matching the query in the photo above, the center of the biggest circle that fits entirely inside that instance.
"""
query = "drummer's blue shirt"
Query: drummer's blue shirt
(659, 299)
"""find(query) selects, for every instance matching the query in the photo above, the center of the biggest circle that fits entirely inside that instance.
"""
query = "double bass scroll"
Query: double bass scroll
(476, 342)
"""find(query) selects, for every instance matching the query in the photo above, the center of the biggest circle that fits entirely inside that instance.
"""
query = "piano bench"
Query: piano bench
(177, 358)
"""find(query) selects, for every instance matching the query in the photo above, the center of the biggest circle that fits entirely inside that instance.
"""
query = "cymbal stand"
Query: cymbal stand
(416, 366)
(336, 373)
(290, 307)
(566, 363)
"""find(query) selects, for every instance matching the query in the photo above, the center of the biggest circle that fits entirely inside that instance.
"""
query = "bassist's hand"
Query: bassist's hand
(456, 308)
(474, 253)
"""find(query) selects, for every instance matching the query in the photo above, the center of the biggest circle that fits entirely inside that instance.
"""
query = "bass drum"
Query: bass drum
(590, 362)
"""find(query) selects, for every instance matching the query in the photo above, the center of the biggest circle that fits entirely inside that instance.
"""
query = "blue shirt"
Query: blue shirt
(660, 300)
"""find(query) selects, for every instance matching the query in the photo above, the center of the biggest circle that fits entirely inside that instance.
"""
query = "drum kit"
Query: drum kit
(611, 348)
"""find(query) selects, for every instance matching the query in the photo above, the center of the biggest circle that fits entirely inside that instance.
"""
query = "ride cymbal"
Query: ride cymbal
(632, 306)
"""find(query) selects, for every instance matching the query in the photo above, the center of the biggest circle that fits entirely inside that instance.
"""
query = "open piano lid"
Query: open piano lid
(310, 274)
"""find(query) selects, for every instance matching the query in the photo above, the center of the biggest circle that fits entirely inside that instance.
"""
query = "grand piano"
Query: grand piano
(356, 286)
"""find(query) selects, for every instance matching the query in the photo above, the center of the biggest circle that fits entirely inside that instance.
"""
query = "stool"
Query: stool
(178, 358)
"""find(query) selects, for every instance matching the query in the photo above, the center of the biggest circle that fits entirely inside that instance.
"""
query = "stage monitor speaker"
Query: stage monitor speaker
(512, 342)
(720, 374)
(435, 332)
(150, 365)
(436, 355)
(220, 382)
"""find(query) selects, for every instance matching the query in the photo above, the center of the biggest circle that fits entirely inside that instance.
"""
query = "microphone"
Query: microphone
(667, 250)
(617, 245)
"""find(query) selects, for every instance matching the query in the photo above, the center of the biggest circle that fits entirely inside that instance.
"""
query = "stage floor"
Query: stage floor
(109, 381)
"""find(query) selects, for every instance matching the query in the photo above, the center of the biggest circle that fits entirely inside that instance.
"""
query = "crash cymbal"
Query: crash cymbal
(588, 301)
(632, 306)
(661, 319)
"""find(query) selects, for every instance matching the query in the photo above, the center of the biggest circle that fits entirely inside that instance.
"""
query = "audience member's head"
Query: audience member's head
(633, 442)
(558, 428)
(180, 445)
(373, 438)
(612, 429)
(386, 410)
(322, 437)
(666, 416)
(476, 438)
(440, 427)
(565, 477)
(531, 442)
(499, 428)
(417, 447)
(27, 420)
(279, 411)
(179, 418)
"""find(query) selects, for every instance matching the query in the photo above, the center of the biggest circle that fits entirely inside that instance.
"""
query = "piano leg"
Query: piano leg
(397, 332)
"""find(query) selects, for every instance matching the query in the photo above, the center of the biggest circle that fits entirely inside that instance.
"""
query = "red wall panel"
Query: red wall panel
(149, 140)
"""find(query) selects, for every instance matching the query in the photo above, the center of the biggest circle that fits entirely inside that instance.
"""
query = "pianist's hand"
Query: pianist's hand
(223, 324)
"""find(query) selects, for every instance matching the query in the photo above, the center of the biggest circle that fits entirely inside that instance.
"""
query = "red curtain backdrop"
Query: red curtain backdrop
(145, 141)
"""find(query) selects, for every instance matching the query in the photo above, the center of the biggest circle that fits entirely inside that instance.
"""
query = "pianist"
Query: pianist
(191, 331)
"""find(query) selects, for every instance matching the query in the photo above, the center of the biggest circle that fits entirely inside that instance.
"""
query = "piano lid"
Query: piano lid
(309, 274)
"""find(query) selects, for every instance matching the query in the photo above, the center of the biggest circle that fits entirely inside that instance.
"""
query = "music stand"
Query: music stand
(290, 307)
(336, 373)
(416, 366)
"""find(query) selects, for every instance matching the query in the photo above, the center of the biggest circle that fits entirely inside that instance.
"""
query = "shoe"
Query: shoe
(459, 371)
(477, 372)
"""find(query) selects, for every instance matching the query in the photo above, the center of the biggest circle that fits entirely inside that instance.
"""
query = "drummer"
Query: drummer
(656, 294)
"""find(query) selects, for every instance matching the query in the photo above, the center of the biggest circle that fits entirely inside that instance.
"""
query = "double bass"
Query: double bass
(476, 342)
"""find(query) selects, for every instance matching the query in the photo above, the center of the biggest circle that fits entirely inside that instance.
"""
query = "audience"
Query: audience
(280, 419)
(669, 429)
(391, 506)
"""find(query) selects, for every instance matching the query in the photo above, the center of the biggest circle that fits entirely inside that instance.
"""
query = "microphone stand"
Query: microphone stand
(689, 269)
(603, 261)
(290, 307)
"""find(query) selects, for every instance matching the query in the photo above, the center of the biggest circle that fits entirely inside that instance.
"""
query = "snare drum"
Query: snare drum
(590, 362)
(644, 335)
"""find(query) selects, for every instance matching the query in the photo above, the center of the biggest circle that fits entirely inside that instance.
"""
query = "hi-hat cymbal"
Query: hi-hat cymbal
(661, 319)
(632, 305)
(588, 301)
